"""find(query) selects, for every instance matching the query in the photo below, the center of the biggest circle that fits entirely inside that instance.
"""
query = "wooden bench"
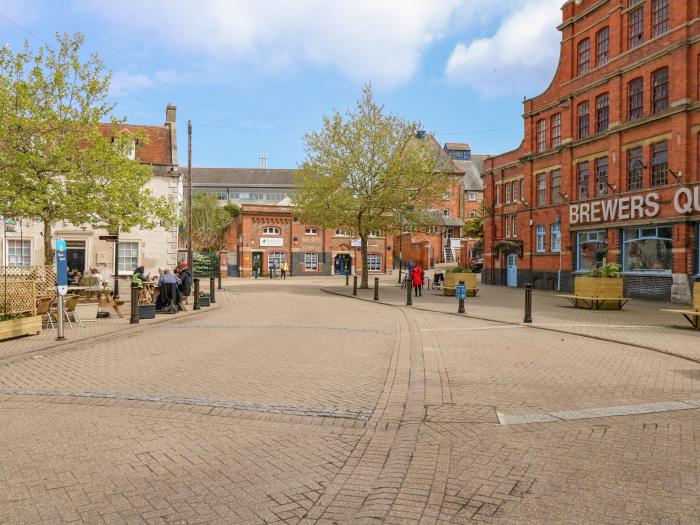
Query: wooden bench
(693, 316)
(597, 293)
(596, 303)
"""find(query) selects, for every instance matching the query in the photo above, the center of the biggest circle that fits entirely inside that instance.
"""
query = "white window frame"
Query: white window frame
(311, 231)
(555, 238)
(23, 243)
(122, 268)
(540, 239)
(445, 212)
(374, 262)
(514, 227)
(340, 232)
(471, 195)
(374, 234)
(311, 261)
(271, 230)
(131, 150)
(507, 219)
(280, 257)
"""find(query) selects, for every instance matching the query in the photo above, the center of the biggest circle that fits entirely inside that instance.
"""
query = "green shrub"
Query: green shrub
(609, 271)
(459, 270)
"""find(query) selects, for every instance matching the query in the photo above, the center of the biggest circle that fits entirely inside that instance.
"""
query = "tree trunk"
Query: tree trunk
(48, 250)
(365, 270)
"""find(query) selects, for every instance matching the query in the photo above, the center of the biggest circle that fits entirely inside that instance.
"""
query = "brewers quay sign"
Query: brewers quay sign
(632, 207)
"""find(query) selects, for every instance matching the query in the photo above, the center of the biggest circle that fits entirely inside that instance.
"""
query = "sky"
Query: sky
(254, 76)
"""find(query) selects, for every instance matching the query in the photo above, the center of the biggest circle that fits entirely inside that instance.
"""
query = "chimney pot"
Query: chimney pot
(170, 114)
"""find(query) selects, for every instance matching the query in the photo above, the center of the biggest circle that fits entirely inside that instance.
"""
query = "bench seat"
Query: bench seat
(595, 303)
(693, 316)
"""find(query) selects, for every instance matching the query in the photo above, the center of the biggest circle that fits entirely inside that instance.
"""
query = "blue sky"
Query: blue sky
(254, 75)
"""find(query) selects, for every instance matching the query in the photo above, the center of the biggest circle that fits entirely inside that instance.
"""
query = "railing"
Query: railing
(44, 277)
(21, 285)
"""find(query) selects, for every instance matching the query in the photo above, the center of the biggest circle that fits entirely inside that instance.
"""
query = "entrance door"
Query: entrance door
(257, 262)
(512, 271)
(343, 264)
(75, 255)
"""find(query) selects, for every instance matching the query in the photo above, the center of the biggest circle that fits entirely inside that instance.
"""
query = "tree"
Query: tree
(365, 169)
(56, 162)
(474, 227)
(209, 221)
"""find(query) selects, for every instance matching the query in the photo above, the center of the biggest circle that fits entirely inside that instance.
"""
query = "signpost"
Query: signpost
(461, 294)
(62, 283)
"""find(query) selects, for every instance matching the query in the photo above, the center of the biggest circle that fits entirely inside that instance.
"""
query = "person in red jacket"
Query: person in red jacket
(417, 276)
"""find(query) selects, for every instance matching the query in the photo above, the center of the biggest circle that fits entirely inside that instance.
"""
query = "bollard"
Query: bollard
(196, 294)
(212, 290)
(460, 310)
(528, 304)
(59, 322)
(347, 279)
(399, 273)
(376, 288)
(354, 285)
(409, 286)
(219, 280)
(134, 304)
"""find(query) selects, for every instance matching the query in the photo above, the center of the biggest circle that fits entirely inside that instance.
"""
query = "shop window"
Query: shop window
(582, 180)
(635, 169)
(128, 256)
(602, 117)
(19, 252)
(541, 135)
(601, 177)
(311, 261)
(555, 238)
(271, 230)
(659, 164)
(584, 56)
(635, 95)
(277, 257)
(555, 190)
(659, 81)
(540, 240)
(660, 12)
(583, 120)
(374, 262)
(591, 250)
(542, 189)
(556, 130)
(648, 250)
(602, 46)
(311, 231)
(636, 27)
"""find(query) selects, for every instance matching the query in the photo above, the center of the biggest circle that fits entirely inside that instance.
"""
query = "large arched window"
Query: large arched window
(648, 250)
(591, 249)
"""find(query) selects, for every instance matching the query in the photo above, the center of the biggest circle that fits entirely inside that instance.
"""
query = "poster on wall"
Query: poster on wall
(271, 241)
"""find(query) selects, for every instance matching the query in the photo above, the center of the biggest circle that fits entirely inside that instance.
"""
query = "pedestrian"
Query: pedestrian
(417, 278)
(284, 269)
(273, 270)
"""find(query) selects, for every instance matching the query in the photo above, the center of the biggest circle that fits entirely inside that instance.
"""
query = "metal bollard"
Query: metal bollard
(134, 304)
(399, 273)
(354, 285)
(409, 289)
(60, 313)
(212, 290)
(460, 310)
(219, 280)
(528, 304)
(376, 288)
(196, 294)
(347, 279)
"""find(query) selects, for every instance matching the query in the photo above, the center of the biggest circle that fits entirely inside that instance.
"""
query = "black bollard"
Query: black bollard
(219, 279)
(460, 310)
(376, 288)
(528, 304)
(212, 290)
(354, 285)
(134, 304)
(409, 285)
(399, 273)
(196, 294)
(347, 279)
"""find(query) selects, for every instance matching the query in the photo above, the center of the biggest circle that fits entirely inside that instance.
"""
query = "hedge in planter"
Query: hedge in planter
(605, 282)
(15, 326)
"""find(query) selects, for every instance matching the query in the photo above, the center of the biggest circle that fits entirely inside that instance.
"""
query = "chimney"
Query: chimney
(420, 134)
(170, 111)
(263, 161)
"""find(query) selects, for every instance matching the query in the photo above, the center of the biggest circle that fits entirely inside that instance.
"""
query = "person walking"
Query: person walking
(284, 269)
(417, 276)
(273, 270)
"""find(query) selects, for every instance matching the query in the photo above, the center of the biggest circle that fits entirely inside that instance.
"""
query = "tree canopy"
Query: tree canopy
(209, 221)
(365, 170)
(56, 162)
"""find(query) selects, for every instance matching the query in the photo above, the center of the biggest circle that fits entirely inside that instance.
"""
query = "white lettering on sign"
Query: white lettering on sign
(623, 208)
(686, 200)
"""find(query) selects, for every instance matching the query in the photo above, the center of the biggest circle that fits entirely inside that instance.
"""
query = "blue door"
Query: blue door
(512, 270)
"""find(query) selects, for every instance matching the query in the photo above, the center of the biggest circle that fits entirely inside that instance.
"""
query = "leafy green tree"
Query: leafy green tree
(365, 170)
(209, 221)
(56, 162)
(474, 227)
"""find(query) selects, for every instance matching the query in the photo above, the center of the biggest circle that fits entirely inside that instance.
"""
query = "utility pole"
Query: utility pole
(189, 194)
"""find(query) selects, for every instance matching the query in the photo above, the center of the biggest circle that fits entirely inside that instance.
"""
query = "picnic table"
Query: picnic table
(103, 296)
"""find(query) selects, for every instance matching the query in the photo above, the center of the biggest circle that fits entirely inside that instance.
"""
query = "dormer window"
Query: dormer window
(131, 150)
(271, 230)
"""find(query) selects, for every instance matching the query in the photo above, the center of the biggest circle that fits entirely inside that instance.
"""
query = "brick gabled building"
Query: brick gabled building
(608, 169)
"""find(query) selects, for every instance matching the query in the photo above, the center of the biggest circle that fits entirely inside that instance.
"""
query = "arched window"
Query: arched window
(648, 250)
(271, 230)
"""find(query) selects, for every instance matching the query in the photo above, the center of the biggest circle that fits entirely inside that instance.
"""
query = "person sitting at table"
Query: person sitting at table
(185, 275)
(168, 277)
(139, 278)
(95, 274)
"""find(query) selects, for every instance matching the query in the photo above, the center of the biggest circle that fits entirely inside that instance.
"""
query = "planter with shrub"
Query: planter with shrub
(454, 275)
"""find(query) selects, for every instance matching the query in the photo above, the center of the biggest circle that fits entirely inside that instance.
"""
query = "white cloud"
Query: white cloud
(377, 40)
(520, 57)
(124, 83)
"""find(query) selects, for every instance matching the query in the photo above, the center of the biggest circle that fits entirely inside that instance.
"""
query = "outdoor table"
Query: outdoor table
(103, 296)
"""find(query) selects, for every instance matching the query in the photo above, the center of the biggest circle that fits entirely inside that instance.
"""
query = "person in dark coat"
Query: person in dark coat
(185, 275)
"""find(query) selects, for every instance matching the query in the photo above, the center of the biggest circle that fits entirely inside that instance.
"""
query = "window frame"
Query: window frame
(583, 119)
(311, 263)
(636, 174)
(342, 232)
(555, 197)
(659, 9)
(635, 99)
(642, 235)
(541, 190)
(121, 258)
(310, 230)
(602, 46)
(601, 176)
(24, 245)
(471, 196)
(590, 237)
(372, 260)
(602, 112)
(635, 22)
(583, 54)
(555, 240)
(541, 134)
(556, 130)
(271, 230)
(582, 180)
(659, 163)
(540, 239)
(280, 257)
(659, 90)
(507, 193)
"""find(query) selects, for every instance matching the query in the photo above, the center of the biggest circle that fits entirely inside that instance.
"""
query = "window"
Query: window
(278, 257)
(498, 195)
(471, 196)
(128, 256)
(446, 196)
(602, 46)
(661, 15)
(584, 56)
(659, 164)
(445, 212)
(131, 150)
(601, 177)
(275, 197)
(19, 252)
(270, 230)
(514, 229)
(342, 233)
(515, 191)
(507, 193)
(311, 261)
(555, 191)
(234, 196)
(542, 189)
(555, 238)
(583, 120)
(648, 250)
(223, 195)
(602, 113)
(472, 214)
(432, 230)
(659, 90)
(636, 27)
(540, 241)
(541, 135)
(374, 233)
(522, 189)
(506, 219)
(374, 262)
(591, 250)
(635, 95)
(556, 130)
(311, 231)
(635, 169)
(582, 180)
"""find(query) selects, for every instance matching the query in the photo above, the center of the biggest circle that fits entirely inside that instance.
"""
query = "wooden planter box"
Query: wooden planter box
(87, 311)
(20, 327)
(452, 280)
(587, 286)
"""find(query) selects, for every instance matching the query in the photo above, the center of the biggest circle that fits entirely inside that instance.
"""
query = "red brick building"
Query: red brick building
(608, 170)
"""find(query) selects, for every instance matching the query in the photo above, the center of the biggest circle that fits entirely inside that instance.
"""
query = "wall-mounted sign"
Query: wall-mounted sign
(271, 241)
(632, 207)
(356, 243)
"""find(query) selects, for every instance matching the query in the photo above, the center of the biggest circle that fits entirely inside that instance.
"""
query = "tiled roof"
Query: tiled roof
(157, 149)
(472, 172)
(249, 177)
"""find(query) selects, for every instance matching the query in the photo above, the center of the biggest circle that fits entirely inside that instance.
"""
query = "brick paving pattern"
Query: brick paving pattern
(287, 405)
